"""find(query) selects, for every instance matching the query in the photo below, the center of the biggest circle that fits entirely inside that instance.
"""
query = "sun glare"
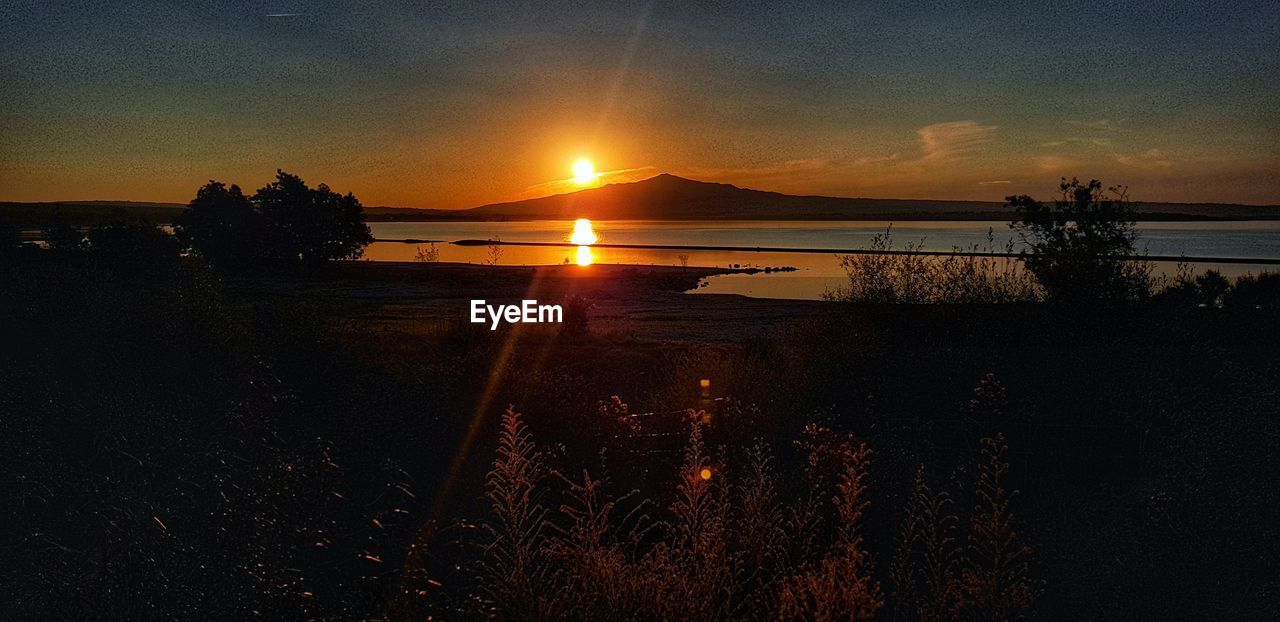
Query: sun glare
(584, 172)
(583, 234)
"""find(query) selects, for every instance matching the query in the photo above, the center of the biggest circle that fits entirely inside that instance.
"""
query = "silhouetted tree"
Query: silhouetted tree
(137, 247)
(311, 224)
(1260, 291)
(1076, 243)
(221, 225)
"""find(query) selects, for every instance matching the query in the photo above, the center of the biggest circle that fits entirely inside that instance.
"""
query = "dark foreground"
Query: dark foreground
(182, 446)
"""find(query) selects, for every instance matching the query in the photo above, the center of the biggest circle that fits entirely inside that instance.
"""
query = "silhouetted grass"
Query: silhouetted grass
(919, 279)
(728, 546)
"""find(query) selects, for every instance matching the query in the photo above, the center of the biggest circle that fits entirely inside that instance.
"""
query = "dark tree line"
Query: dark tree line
(283, 221)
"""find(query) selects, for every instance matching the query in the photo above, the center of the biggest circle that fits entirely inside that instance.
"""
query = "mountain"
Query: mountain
(668, 197)
(33, 215)
(664, 197)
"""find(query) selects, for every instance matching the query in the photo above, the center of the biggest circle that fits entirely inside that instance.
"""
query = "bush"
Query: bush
(1261, 291)
(888, 276)
(1211, 289)
(132, 247)
(1078, 244)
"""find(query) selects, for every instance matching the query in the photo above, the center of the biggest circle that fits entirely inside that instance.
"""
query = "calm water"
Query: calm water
(817, 272)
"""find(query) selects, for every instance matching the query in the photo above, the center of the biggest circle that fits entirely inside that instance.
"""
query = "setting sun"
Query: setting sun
(584, 172)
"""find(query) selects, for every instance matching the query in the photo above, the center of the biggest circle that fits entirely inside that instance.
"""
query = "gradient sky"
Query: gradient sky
(437, 104)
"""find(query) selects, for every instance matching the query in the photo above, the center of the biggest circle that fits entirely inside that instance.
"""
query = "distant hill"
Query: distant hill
(87, 213)
(667, 197)
(664, 197)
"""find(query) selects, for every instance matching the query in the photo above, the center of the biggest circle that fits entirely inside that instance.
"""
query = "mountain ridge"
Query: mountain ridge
(661, 197)
(670, 197)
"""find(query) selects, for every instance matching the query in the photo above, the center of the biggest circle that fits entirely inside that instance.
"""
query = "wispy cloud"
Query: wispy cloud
(952, 140)
(561, 186)
(1149, 159)
(997, 182)
(1096, 142)
(1056, 165)
(762, 171)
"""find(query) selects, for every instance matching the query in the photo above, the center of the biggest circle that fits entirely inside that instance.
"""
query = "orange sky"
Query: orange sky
(456, 106)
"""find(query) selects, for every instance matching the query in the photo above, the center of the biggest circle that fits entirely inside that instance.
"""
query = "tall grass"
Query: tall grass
(733, 546)
(917, 279)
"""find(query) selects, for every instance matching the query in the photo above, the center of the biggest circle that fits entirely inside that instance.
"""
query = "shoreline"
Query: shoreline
(650, 303)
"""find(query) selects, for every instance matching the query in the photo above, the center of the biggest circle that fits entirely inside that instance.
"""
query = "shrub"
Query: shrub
(1261, 291)
(888, 275)
(1078, 244)
(427, 254)
(132, 247)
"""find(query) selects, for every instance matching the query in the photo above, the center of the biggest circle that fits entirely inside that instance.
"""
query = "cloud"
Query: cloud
(787, 168)
(998, 182)
(1097, 142)
(1149, 159)
(561, 186)
(1057, 165)
(952, 140)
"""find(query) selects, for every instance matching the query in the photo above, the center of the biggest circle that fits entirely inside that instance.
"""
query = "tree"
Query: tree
(311, 225)
(1077, 243)
(137, 247)
(221, 225)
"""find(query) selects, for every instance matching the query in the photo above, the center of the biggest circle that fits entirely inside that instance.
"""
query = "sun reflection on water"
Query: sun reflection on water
(584, 236)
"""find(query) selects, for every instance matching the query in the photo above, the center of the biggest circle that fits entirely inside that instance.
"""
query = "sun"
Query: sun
(584, 172)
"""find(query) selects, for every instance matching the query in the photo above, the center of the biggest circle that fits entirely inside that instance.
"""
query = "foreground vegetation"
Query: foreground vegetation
(731, 544)
(177, 443)
(1080, 250)
(180, 438)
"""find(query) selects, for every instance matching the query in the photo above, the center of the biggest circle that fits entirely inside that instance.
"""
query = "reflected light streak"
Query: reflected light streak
(583, 234)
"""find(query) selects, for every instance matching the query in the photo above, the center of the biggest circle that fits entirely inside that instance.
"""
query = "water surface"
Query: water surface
(816, 273)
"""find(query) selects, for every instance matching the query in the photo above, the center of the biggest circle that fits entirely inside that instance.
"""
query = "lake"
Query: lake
(816, 273)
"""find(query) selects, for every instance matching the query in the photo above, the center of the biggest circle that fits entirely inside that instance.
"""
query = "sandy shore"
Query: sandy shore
(642, 302)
